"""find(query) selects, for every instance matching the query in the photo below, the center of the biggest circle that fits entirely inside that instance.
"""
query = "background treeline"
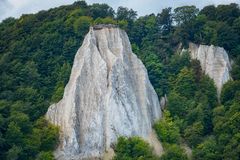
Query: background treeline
(36, 55)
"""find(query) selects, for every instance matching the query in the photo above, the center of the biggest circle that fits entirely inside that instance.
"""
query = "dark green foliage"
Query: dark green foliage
(207, 150)
(208, 89)
(227, 13)
(194, 134)
(155, 71)
(178, 105)
(25, 144)
(14, 134)
(49, 134)
(45, 156)
(164, 19)
(167, 130)
(81, 24)
(178, 62)
(185, 14)
(226, 36)
(133, 148)
(185, 18)
(13, 153)
(232, 150)
(226, 128)
(184, 84)
(235, 73)
(229, 91)
(101, 11)
(59, 89)
(197, 70)
(209, 12)
(191, 99)
(174, 152)
(124, 13)
(195, 115)
(169, 134)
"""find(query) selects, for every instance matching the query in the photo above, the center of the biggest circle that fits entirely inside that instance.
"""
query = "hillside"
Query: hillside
(36, 57)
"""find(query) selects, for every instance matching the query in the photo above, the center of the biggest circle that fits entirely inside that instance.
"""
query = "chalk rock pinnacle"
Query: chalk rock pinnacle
(108, 95)
(214, 62)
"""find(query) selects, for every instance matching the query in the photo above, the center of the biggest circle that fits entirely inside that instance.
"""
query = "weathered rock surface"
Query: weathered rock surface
(214, 62)
(108, 95)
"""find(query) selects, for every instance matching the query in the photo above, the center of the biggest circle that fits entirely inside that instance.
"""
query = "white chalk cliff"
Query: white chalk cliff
(214, 62)
(108, 95)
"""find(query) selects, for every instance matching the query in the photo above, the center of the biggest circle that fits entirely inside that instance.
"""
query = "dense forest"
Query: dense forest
(36, 55)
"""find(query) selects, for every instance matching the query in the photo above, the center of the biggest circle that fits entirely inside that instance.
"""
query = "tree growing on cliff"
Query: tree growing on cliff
(167, 131)
(133, 148)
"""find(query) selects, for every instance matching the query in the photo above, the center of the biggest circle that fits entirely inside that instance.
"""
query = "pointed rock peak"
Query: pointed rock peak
(214, 62)
(108, 95)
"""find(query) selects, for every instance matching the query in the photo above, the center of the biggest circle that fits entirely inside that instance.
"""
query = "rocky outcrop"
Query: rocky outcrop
(108, 95)
(214, 62)
(163, 102)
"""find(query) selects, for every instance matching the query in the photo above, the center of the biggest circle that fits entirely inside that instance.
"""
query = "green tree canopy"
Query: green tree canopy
(184, 14)
(132, 148)
(167, 130)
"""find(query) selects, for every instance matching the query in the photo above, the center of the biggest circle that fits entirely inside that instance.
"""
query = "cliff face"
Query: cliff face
(108, 95)
(214, 62)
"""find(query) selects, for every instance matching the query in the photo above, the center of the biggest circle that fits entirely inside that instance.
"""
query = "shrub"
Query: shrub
(133, 148)
(174, 152)
(167, 131)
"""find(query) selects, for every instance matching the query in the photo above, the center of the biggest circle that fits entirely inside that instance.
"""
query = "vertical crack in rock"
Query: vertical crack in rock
(108, 95)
